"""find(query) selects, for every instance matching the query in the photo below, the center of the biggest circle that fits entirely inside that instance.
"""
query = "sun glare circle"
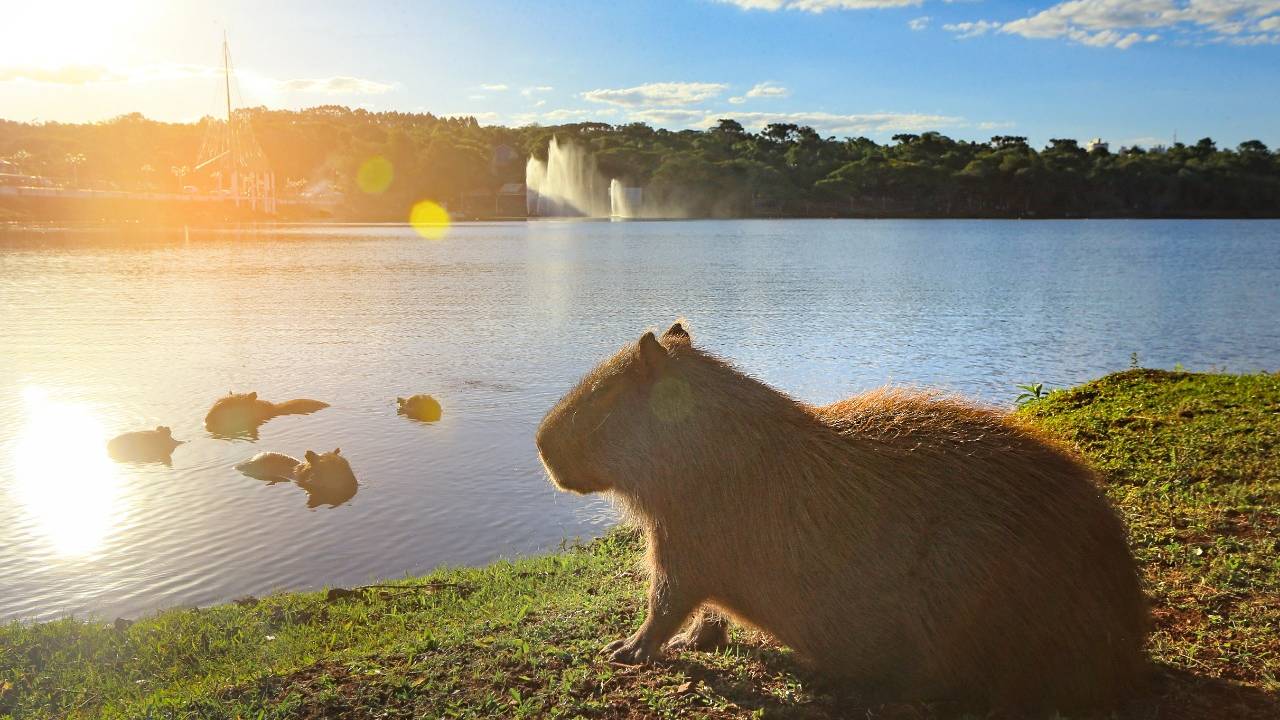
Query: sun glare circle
(375, 175)
(63, 477)
(429, 219)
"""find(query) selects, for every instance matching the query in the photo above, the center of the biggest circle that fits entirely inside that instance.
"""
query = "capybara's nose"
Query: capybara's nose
(540, 439)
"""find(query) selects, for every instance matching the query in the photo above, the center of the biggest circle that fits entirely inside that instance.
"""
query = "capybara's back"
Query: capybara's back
(920, 546)
(1006, 576)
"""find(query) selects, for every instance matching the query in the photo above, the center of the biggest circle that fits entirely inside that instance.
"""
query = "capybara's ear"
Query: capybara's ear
(253, 395)
(311, 457)
(164, 429)
(337, 451)
(652, 354)
(678, 333)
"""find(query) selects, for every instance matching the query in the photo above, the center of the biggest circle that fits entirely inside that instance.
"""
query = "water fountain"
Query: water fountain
(569, 184)
(624, 202)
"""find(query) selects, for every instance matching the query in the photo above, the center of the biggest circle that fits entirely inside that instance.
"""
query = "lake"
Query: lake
(108, 330)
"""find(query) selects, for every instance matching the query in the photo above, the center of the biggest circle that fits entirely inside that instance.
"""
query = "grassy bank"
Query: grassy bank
(1192, 460)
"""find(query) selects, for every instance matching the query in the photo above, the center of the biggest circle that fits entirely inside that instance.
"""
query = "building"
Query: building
(510, 201)
(1097, 144)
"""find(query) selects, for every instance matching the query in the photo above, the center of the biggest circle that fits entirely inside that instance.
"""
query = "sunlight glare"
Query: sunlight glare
(375, 175)
(429, 219)
(56, 33)
(63, 477)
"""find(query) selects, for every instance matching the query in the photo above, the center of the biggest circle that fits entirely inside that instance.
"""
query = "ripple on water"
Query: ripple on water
(497, 321)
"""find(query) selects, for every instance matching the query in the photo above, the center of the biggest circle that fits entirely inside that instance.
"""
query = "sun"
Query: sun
(50, 34)
(69, 489)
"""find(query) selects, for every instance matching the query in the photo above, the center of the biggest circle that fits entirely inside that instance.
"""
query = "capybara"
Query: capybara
(419, 407)
(913, 544)
(327, 477)
(143, 446)
(238, 415)
(270, 466)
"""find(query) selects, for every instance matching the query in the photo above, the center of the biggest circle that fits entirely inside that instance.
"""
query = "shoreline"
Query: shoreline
(1191, 460)
(54, 224)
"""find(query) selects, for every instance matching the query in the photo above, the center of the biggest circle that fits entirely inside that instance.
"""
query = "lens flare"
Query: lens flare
(63, 477)
(429, 219)
(671, 400)
(375, 175)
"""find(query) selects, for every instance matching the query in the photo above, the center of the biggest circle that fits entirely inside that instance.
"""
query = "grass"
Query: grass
(1193, 461)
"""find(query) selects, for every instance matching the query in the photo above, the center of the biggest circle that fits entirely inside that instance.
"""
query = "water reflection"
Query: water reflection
(63, 477)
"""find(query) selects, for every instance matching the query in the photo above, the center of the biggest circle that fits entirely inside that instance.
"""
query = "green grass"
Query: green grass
(1193, 461)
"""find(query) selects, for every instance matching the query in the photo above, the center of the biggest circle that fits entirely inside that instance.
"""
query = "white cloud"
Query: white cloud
(822, 121)
(95, 74)
(768, 89)
(996, 125)
(842, 124)
(657, 94)
(820, 6)
(919, 23)
(563, 115)
(1125, 23)
(65, 75)
(339, 85)
(536, 89)
(484, 118)
(970, 29)
(493, 87)
(674, 117)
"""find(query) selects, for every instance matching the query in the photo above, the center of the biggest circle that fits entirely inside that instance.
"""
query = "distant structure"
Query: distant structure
(1097, 144)
(231, 154)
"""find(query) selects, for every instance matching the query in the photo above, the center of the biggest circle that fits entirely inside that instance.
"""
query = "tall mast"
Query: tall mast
(226, 74)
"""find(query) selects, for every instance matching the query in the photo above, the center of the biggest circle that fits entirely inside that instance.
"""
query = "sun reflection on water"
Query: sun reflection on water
(63, 477)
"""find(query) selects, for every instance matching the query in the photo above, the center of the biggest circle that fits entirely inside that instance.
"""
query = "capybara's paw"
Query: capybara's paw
(695, 640)
(628, 651)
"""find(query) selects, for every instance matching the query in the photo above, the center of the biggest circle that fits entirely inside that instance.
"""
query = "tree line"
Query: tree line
(784, 170)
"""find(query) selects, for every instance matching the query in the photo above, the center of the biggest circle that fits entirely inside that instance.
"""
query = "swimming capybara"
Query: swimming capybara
(270, 466)
(239, 415)
(327, 477)
(419, 407)
(913, 544)
(143, 446)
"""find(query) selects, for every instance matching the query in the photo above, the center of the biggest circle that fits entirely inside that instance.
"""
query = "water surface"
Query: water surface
(105, 331)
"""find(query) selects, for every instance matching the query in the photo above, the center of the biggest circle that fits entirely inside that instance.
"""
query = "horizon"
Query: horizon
(873, 68)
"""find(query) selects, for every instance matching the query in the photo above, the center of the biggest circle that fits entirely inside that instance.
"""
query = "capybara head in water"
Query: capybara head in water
(620, 417)
(920, 546)
(326, 477)
(325, 470)
(143, 446)
(419, 407)
(237, 414)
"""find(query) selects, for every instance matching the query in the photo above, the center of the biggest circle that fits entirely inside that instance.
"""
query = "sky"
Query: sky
(1128, 71)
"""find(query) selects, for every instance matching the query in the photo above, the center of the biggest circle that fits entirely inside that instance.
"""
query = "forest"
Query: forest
(784, 170)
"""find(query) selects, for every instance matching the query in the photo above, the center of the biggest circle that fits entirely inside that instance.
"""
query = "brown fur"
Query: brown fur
(919, 545)
(143, 446)
(419, 407)
(327, 478)
(243, 414)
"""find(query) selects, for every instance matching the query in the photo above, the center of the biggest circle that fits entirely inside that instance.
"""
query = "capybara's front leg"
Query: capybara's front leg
(709, 630)
(669, 607)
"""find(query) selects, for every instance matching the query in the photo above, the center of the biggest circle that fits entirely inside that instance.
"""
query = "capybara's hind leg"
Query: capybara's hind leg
(709, 630)
(669, 607)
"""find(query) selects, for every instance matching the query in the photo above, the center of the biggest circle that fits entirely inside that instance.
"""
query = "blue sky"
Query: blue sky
(1130, 71)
